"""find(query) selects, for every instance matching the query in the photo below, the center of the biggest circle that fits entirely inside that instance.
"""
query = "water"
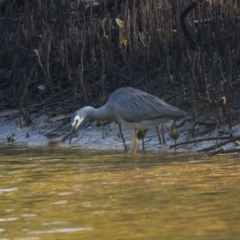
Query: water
(69, 194)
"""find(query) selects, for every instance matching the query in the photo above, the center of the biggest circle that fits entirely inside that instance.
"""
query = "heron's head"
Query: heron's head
(76, 120)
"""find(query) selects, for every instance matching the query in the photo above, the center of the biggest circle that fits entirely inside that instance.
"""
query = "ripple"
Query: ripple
(64, 193)
(29, 215)
(5, 190)
(109, 183)
(61, 202)
(26, 238)
(61, 230)
(7, 219)
(55, 222)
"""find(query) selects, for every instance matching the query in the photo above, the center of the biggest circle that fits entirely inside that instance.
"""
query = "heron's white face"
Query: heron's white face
(76, 121)
(79, 116)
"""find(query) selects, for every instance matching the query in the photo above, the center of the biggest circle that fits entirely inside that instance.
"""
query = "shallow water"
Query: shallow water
(68, 194)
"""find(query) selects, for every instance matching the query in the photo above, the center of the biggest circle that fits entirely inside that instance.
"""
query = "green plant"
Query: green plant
(122, 40)
(104, 38)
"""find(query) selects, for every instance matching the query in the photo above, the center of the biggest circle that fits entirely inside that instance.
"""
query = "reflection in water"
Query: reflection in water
(69, 194)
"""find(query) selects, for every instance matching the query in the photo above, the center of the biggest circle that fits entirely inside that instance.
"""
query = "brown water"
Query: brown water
(69, 194)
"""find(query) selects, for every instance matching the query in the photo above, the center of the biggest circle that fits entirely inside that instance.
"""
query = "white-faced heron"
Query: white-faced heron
(133, 109)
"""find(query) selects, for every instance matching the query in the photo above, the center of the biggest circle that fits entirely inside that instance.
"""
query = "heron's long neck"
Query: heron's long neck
(101, 113)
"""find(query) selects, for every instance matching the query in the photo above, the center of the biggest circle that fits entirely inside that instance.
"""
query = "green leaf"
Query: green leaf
(102, 23)
(104, 20)
(119, 22)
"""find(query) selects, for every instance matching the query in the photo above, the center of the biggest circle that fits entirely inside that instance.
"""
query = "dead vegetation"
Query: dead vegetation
(57, 56)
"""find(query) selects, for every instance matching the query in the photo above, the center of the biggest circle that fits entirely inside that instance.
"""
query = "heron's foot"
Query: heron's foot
(133, 150)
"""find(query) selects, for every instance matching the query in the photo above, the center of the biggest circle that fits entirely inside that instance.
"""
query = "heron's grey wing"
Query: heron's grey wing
(134, 105)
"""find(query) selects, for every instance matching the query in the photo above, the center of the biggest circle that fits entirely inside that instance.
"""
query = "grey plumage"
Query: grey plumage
(132, 108)
(135, 107)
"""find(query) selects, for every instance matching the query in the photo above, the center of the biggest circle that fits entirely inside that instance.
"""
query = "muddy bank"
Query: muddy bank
(45, 131)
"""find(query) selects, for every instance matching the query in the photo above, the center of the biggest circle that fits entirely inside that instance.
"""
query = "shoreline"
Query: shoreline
(45, 131)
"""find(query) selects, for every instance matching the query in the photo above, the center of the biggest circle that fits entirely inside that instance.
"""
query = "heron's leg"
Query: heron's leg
(159, 137)
(133, 150)
(163, 138)
(141, 134)
(120, 131)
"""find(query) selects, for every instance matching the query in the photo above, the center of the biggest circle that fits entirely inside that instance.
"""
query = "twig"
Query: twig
(220, 144)
(59, 118)
(222, 151)
(199, 140)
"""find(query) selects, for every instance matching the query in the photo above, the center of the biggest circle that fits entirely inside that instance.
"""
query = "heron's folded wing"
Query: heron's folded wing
(135, 106)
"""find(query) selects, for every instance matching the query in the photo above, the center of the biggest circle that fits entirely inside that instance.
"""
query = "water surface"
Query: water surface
(71, 194)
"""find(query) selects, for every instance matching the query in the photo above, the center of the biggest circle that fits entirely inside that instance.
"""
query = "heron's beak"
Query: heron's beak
(73, 130)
